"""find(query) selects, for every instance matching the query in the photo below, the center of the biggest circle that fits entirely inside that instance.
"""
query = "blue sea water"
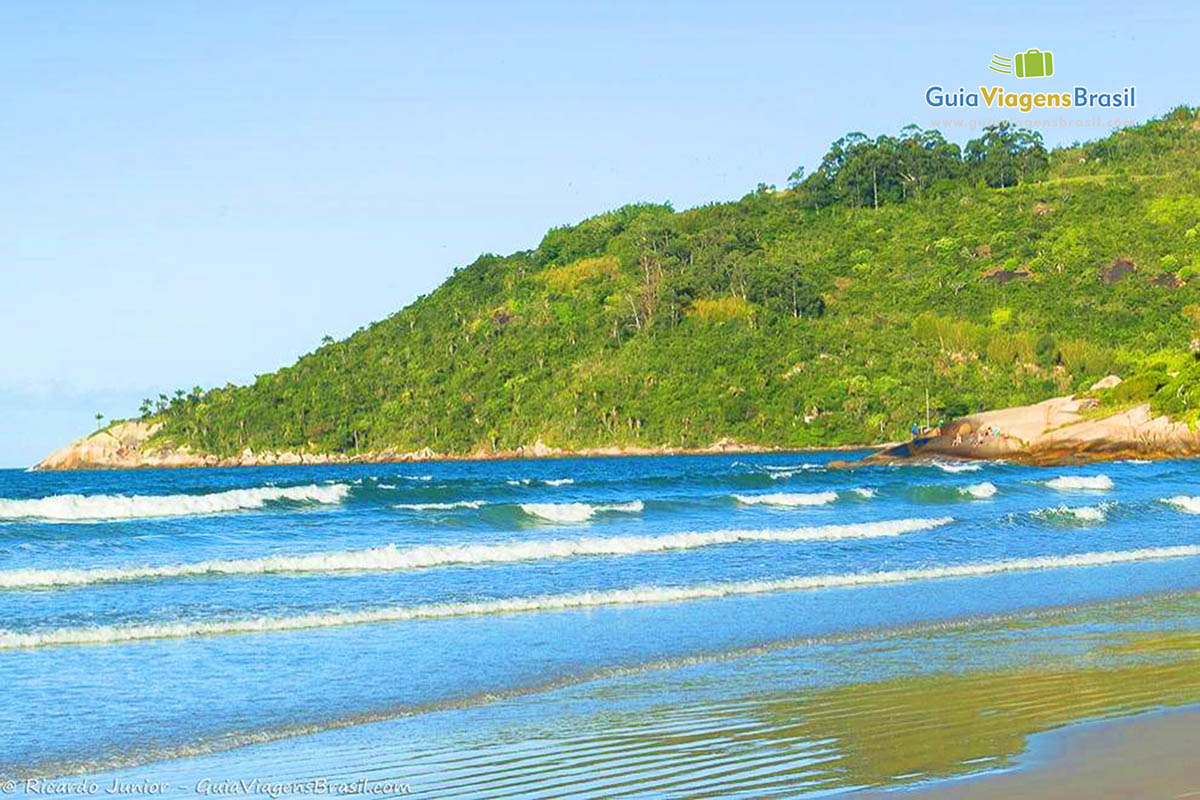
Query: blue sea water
(428, 623)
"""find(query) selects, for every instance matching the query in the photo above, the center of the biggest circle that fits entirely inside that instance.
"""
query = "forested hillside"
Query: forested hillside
(820, 314)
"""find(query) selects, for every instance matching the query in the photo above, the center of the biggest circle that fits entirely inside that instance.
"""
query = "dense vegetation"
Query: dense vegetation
(821, 314)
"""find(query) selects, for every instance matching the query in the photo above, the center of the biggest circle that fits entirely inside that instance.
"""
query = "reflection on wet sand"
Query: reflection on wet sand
(953, 719)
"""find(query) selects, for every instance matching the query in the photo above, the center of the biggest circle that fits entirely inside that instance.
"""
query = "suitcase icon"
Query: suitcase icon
(1034, 63)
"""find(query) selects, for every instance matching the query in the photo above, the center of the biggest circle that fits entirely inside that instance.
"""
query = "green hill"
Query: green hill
(994, 275)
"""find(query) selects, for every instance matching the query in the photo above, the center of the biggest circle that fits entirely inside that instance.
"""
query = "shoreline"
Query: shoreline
(125, 445)
(1153, 754)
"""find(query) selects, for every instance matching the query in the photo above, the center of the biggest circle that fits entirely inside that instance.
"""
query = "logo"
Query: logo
(1033, 63)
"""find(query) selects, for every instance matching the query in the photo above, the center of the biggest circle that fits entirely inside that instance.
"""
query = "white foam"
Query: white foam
(956, 466)
(577, 512)
(77, 507)
(1184, 503)
(424, 556)
(107, 634)
(1081, 513)
(781, 472)
(559, 482)
(441, 506)
(865, 493)
(1066, 483)
(980, 491)
(787, 499)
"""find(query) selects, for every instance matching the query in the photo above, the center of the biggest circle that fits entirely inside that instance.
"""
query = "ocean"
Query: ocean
(659, 626)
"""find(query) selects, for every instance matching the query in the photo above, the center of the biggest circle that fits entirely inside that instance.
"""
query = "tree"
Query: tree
(870, 172)
(925, 158)
(1006, 155)
(782, 288)
(99, 420)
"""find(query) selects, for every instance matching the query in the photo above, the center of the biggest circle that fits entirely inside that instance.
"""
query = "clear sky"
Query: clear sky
(194, 193)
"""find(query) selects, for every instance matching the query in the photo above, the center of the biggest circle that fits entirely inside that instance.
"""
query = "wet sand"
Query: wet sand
(1147, 757)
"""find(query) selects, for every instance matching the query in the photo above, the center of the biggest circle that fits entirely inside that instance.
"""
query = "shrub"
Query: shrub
(1139, 388)
(568, 277)
(722, 309)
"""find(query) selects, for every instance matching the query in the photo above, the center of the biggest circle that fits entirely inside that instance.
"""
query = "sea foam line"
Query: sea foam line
(441, 506)
(424, 556)
(1097, 483)
(957, 466)
(787, 498)
(579, 512)
(634, 596)
(77, 507)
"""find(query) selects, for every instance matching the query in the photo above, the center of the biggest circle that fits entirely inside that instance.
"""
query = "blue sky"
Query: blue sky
(195, 193)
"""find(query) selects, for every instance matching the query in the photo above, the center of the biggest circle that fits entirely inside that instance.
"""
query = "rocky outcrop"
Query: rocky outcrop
(131, 445)
(1107, 382)
(1061, 430)
(122, 444)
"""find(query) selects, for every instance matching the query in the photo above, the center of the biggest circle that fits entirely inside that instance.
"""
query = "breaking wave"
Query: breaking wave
(1099, 483)
(546, 482)
(980, 491)
(440, 506)
(777, 472)
(424, 556)
(1184, 503)
(79, 507)
(782, 473)
(1074, 513)
(107, 634)
(787, 499)
(955, 466)
(578, 512)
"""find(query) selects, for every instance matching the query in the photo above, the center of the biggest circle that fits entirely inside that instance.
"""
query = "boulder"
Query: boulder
(1107, 382)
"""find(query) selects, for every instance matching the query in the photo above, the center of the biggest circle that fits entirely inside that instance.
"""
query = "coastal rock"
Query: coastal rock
(118, 445)
(1054, 431)
(1107, 382)
(539, 449)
